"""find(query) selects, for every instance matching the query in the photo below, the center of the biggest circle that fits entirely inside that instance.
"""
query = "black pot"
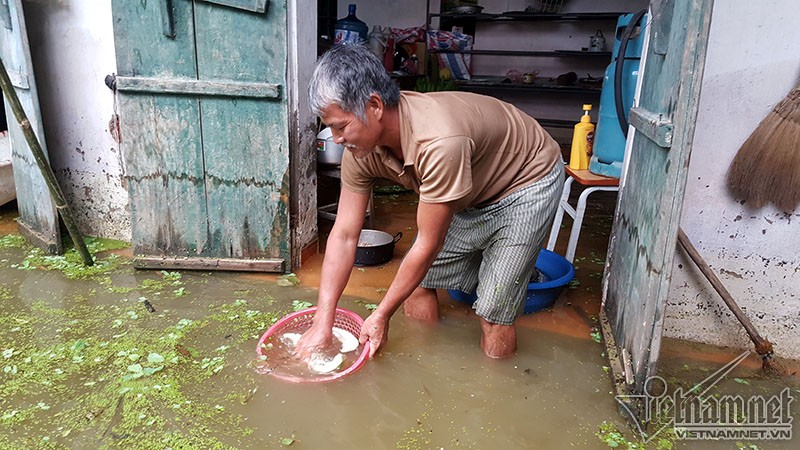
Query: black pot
(375, 247)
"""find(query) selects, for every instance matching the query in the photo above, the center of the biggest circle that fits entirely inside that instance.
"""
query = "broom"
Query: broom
(767, 166)
(769, 364)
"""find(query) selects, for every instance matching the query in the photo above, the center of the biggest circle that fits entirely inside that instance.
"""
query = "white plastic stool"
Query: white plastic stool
(593, 183)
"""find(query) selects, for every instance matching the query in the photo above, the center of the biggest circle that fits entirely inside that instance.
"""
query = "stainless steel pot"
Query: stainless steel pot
(375, 247)
(466, 9)
(328, 152)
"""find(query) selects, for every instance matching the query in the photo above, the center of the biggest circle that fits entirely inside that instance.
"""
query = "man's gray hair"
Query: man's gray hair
(347, 75)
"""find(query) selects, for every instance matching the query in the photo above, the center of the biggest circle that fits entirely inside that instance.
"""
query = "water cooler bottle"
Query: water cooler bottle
(609, 141)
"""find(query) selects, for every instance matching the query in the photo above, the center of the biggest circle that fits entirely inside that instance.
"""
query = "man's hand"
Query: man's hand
(316, 338)
(375, 331)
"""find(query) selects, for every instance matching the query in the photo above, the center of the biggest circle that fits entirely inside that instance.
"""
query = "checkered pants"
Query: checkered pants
(494, 248)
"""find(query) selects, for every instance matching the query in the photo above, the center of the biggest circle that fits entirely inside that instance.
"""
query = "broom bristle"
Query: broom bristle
(774, 368)
(767, 166)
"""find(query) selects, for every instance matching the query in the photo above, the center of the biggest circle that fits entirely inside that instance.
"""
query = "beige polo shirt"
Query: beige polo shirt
(458, 147)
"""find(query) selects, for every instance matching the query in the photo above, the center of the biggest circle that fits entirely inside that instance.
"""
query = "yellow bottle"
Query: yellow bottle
(582, 139)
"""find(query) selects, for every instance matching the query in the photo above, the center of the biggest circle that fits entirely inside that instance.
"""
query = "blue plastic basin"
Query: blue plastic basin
(540, 295)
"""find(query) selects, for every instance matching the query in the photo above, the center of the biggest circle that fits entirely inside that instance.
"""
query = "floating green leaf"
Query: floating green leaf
(299, 305)
(287, 441)
(289, 279)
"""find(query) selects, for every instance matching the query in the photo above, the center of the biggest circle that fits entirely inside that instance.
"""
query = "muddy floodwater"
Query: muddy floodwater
(120, 358)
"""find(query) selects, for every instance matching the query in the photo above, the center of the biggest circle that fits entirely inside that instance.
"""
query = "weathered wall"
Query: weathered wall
(753, 61)
(72, 47)
(302, 130)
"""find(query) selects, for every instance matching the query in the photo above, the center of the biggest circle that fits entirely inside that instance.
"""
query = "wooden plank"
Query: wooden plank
(141, 47)
(37, 239)
(587, 178)
(653, 126)
(220, 192)
(198, 87)
(7, 190)
(161, 141)
(247, 165)
(38, 219)
(221, 50)
(258, 6)
(239, 265)
(161, 135)
(246, 177)
(19, 79)
(646, 220)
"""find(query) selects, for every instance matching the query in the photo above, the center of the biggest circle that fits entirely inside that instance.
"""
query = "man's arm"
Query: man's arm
(433, 221)
(336, 268)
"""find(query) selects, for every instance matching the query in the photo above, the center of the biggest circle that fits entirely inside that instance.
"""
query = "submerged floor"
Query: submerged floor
(148, 359)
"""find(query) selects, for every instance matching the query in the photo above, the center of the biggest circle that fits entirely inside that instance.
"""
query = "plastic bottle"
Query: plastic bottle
(582, 140)
(350, 30)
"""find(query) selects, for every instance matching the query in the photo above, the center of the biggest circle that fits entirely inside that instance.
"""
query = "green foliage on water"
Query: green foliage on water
(609, 434)
(121, 375)
(299, 305)
(12, 241)
(116, 373)
(106, 265)
(71, 262)
(289, 279)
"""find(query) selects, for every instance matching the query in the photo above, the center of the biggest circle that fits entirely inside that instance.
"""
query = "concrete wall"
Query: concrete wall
(72, 47)
(753, 61)
(302, 128)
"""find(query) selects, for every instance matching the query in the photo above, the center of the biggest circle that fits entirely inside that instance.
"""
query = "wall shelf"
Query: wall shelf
(556, 59)
(540, 84)
(550, 53)
(523, 16)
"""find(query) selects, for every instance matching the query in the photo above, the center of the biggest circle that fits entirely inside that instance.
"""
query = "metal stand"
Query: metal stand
(593, 183)
(329, 211)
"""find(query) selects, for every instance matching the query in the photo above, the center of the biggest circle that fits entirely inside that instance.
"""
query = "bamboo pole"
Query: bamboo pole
(44, 165)
(763, 346)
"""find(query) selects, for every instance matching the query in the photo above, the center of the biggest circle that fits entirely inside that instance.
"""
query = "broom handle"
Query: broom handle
(762, 345)
(44, 166)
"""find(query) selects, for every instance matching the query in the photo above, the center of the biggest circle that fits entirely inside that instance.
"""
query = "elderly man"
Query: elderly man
(489, 179)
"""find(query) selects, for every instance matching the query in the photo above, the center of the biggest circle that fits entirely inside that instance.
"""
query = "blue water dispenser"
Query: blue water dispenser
(609, 140)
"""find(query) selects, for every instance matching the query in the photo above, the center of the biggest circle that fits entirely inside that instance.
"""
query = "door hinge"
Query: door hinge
(627, 367)
(654, 126)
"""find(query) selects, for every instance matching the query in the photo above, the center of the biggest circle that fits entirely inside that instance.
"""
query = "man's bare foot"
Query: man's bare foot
(422, 305)
(498, 341)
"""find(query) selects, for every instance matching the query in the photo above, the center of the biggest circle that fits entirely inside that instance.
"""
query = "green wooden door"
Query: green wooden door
(38, 219)
(204, 131)
(645, 227)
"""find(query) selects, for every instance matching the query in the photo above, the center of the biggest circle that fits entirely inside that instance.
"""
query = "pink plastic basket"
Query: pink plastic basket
(299, 322)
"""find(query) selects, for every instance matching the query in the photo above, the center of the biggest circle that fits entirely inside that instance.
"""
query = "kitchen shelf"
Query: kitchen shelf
(550, 53)
(577, 60)
(541, 84)
(523, 16)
